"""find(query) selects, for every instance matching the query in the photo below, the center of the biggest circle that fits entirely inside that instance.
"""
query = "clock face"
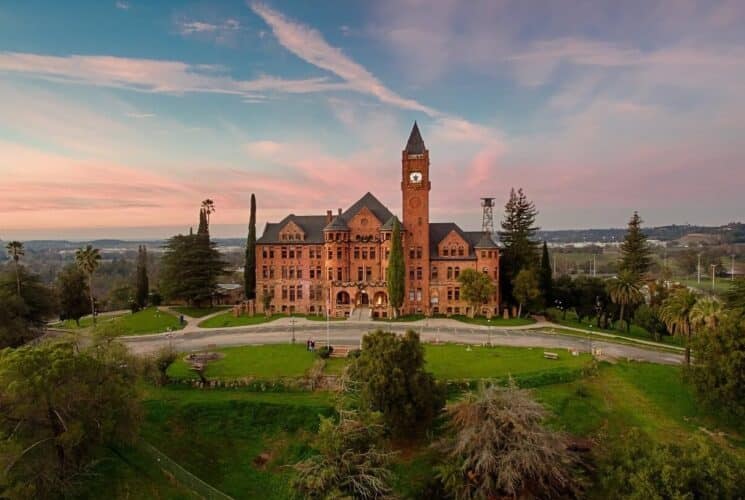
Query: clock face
(415, 177)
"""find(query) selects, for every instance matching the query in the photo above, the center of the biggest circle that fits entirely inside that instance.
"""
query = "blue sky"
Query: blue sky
(118, 117)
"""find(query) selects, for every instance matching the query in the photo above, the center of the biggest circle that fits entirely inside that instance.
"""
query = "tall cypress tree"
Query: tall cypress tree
(545, 278)
(142, 288)
(249, 269)
(396, 274)
(520, 249)
(635, 251)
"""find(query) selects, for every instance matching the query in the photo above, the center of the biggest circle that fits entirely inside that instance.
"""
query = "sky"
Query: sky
(118, 117)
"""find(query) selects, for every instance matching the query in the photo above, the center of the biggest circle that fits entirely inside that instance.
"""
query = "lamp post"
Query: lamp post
(488, 329)
(713, 276)
(292, 325)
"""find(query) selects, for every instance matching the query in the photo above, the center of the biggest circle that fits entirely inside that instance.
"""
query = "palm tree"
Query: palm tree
(676, 314)
(87, 260)
(15, 251)
(209, 207)
(706, 313)
(624, 290)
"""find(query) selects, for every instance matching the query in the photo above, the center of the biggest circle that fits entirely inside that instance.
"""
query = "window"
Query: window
(457, 272)
(300, 292)
(412, 253)
(483, 254)
(444, 251)
(418, 273)
(292, 293)
(338, 253)
(284, 252)
(292, 253)
(284, 273)
(450, 294)
(453, 249)
(292, 272)
(264, 253)
(264, 272)
(418, 252)
(450, 273)
(456, 293)
(312, 273)
(338, 274)
(368, 273)
(486, 271)
(330, 273)
(411, 295)
(271, 252)
(318, 272)
(299, 252)
(359, 274)
(271, 272)
(461, 251)
(434, 272)
(418, 294)
(356, 252)
(372, 252)
(364, 253)
(411, 274)
(331, 254)
(299, 273)
(284, 292)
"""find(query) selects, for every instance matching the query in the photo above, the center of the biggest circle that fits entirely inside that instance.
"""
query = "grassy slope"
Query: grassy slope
(227, 319)
(198, 312)
(219, 438)
(495, 322)
(149, 320)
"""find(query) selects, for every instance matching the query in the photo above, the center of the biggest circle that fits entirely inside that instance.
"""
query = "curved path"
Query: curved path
(351, 332)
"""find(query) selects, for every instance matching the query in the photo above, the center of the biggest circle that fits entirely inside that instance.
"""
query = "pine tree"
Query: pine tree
(635, 251)
(143, 285)
(249, 269)
(545, 278)
(517, 236)
(396, 274)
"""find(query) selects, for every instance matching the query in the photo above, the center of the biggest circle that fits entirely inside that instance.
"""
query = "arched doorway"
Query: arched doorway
(362, 299)
(342, 298)
(380, 299)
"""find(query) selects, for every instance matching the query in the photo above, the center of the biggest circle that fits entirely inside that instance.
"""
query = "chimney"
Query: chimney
(328, 216)
(339, 211)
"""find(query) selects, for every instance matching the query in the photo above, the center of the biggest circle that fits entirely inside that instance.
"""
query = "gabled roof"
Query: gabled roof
(371, 203)
(415, 144)
(486, 241)
(337, 224)
(388, 226)
(439, 230)
(312, 225)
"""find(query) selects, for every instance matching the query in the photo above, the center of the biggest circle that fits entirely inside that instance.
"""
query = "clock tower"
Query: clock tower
(415, 186)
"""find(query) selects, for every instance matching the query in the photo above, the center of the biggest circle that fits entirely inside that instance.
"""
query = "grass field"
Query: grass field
(198, 312)
(447, 362)
(480, 320)
(146, 321)
(721, 285)
(227, 319)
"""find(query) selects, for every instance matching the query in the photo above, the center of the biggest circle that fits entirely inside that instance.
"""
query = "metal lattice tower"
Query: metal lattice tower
(487, 219)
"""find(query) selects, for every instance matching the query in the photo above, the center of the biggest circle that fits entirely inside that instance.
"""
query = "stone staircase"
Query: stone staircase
(360, 314)
(342, 351)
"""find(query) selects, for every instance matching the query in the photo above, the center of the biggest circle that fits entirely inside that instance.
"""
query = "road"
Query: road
(350, 333)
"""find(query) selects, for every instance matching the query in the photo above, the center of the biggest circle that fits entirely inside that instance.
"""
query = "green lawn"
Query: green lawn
(721, 285)
(264, 362)
(447, 362)
(227, 319)
(85, 322)
(149, 320)
(198, 312)
(404, 318)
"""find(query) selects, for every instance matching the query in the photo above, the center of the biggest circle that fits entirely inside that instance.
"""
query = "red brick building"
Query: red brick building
(309, 261)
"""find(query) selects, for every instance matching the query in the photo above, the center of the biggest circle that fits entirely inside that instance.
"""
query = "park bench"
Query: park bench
(550, 355)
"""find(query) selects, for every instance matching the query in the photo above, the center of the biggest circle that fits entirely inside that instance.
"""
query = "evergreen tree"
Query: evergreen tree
(635, 251)
(545, 277)
(518, 232)
(142, 289)
(191, 266)
(396, 274)
(249, 269)
(72, 293)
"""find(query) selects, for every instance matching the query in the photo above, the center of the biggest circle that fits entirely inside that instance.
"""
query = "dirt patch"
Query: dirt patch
(262, 459)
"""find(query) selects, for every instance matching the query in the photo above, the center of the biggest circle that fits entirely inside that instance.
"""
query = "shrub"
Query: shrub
(497, 447)
(325, 351)
(641, 470)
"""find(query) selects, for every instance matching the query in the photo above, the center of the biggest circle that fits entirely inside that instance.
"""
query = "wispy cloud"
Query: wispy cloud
(122, 5)
(151, 75)
(308, 44)
(222, 32)
(139, 115)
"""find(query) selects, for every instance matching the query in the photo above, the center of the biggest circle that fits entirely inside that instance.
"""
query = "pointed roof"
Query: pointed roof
(415, 144)
(337, 224)
(371, 203)
(486, 241)
(388, 226)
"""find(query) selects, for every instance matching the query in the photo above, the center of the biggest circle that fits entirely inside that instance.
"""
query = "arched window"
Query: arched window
(461, 251)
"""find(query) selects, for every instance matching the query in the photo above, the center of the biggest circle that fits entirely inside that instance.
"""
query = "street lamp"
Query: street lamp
(713, 271)
(488, 329)
(292, 324)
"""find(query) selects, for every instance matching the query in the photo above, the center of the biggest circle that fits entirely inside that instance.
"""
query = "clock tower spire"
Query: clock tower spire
(415, 187)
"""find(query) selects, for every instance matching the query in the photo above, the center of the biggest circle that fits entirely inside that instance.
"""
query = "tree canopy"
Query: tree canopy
(390, 371)
(23, 317)
(249, 269)
(635, 251)
(475, 288)
(396, 273)
(72, 293)
(520, 250)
